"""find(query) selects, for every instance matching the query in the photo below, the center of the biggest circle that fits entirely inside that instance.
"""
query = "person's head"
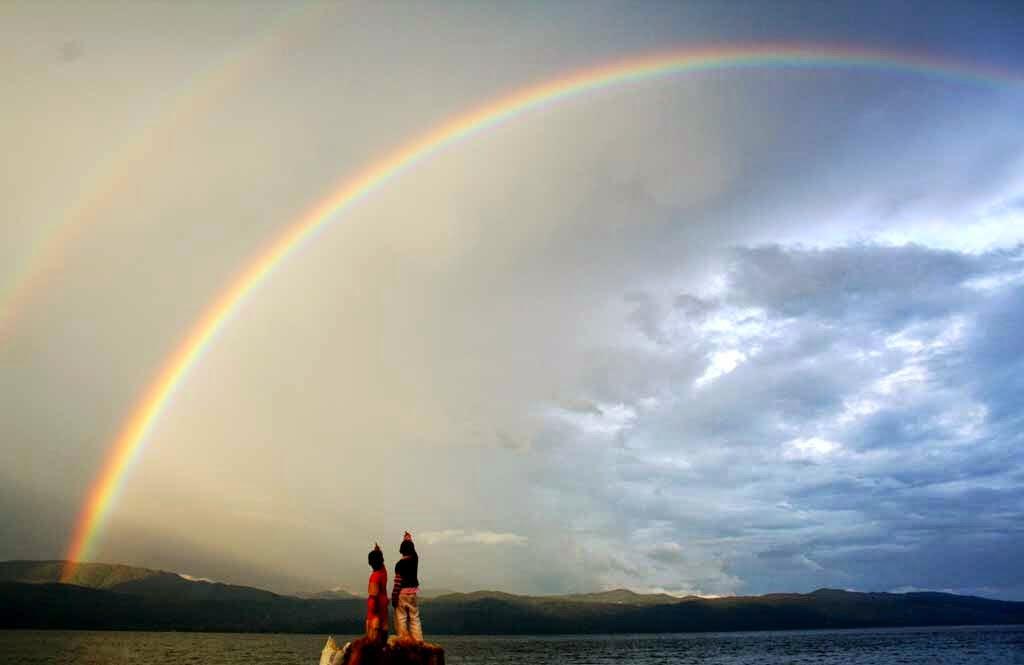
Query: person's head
(407, 548)
(375, 558)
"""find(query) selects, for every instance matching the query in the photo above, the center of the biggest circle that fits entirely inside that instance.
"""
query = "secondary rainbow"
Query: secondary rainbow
(125, 165)
(132, 437)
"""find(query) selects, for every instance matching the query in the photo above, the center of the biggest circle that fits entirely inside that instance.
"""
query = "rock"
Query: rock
(332, 653)
(395, 652)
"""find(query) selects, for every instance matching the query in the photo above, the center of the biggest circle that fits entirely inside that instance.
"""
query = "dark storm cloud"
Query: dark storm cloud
(861, 285)
(872, 423)
(997, 349)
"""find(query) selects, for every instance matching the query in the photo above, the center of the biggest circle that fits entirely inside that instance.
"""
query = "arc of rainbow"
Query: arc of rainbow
(131, 440)
(122, 168)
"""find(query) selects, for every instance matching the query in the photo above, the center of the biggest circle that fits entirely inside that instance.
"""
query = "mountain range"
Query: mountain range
(117, 597)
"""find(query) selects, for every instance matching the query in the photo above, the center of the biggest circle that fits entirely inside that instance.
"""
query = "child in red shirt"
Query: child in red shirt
(377, 601)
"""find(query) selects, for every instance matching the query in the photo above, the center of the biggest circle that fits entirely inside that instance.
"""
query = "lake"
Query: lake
(976, 645)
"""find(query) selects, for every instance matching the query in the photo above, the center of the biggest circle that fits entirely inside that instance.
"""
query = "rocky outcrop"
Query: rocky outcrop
(395, 652)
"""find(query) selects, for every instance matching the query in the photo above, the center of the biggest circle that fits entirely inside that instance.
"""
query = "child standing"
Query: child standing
(403, 595)
(377, 600)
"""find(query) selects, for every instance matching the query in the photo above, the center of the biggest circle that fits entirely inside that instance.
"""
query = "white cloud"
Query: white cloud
(600, 420)
(462, 537)
(813, 449)
(901, 381)
(914, 340)
(805, 560)
(996, 281)
(721, 363)
(1000, 228)
(914, 589)
(192, 578)
(736, 325)
(855, 408)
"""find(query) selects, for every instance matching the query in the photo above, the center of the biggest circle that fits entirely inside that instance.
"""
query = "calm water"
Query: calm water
(999, 645)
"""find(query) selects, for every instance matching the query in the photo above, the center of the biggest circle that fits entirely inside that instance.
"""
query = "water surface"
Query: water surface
(983, 645)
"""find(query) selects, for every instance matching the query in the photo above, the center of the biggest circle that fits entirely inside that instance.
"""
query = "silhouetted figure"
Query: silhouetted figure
(377, 600)
(404, 593)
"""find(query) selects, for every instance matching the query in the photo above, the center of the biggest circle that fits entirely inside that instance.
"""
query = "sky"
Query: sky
(733, 332)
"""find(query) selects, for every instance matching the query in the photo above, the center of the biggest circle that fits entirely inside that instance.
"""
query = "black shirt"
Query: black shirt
(406, 570)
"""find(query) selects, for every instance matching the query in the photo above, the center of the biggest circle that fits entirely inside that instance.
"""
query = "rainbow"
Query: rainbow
(123, 166)
(131, 440)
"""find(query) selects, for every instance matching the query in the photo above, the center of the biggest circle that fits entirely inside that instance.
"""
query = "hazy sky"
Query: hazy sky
(734, 332)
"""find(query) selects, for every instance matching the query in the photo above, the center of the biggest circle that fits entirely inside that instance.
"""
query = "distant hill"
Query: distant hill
(614, 597)
(130, 580)
(339, 593)
(66, 606)
(92, 575)
(127, 598)
(490, 612)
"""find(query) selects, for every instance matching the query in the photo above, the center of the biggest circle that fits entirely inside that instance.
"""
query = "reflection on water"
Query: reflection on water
(975, 645)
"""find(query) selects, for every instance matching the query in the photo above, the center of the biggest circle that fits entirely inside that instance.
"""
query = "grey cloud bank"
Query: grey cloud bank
(865, 432)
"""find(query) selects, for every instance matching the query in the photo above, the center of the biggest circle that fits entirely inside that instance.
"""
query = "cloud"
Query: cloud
(667, 553)
(868, 284)
(192, 578)
(721, 363)
(872, 372)
(813, 449)
(462, 537)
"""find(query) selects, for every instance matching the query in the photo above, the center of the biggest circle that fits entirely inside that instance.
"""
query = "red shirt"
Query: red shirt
(377, 603)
